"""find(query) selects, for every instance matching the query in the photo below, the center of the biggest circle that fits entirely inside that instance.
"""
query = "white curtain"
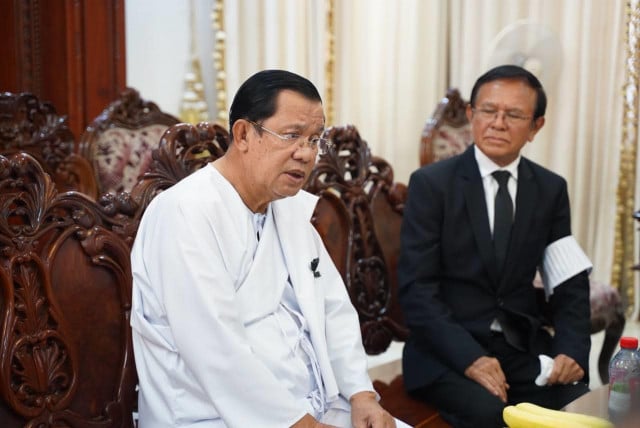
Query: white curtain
(285, 34)
(391, 69)
(395, 59)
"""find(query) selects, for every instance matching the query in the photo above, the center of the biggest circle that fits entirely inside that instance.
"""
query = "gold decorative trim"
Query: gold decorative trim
(193, 108)
(329, 66)
(219, 54)
(622, 274)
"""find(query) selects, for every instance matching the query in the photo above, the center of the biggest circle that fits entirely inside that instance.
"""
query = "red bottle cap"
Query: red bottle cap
(628, 342)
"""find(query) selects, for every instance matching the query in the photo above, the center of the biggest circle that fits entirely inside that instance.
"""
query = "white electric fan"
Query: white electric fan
(530, 45)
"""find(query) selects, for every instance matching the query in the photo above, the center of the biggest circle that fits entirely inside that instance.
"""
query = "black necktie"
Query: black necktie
(503, 217)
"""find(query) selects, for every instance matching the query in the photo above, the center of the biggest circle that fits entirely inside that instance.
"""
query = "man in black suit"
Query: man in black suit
(472, 241)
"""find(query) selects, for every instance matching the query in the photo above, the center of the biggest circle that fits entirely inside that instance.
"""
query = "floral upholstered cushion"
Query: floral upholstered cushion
(450, 141)
(122, 155)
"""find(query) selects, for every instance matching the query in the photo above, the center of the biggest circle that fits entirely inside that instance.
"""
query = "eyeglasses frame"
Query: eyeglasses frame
(313, 144)
(511, 118)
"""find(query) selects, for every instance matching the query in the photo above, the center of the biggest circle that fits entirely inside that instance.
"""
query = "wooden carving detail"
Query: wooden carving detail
(28, 22)
(364, 185)
(28, 125)
(454, 112)
(65, 282)
(131, 111)
(183, 149)
(35, 348)
(119, 141)
(76, 173)
(32, 340)
(450, 111)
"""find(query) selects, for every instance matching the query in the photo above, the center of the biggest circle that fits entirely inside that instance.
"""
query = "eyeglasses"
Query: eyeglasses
(321, 144)
(510, 117)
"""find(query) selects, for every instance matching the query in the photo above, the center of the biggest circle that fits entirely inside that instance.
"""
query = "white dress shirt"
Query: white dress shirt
(490, 184)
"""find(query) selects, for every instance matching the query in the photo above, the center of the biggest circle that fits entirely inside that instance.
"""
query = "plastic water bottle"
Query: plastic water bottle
(624, 379)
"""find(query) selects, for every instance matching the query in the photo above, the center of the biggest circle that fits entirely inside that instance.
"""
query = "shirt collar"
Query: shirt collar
(487, 166)
(259, 219)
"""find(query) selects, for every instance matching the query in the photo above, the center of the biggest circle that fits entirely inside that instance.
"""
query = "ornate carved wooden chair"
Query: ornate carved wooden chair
(28, 125)
(358, 217)
(66, 355)
(447, 133)
(119, 141)
(183, 149)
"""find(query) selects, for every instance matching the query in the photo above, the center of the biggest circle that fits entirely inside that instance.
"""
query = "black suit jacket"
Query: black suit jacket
(449, 284)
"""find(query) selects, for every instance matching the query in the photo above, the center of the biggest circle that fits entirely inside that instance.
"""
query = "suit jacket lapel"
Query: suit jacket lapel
(473, 190)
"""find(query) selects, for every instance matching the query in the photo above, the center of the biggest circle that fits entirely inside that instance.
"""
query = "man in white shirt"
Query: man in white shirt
(476, 228)
(239, 317)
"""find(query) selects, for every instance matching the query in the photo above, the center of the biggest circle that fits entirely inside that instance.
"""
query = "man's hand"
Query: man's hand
(488, 373)
(565, 371)
(308, 421)
(367, 413)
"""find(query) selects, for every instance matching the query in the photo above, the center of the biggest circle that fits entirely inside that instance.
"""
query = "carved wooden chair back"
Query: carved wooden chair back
(358, 217)
(447, 132)
(31, 126)
(66, 356)
(183, 148)
(119, 141)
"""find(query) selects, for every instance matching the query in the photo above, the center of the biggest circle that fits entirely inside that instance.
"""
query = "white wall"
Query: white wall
(158, 49)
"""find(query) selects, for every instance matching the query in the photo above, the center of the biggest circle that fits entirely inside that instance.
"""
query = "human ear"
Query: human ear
(535, 127)
(241, 130)
(469, 112)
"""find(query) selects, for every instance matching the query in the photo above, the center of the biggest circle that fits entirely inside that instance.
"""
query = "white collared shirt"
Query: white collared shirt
(562, 259)
(490, 184)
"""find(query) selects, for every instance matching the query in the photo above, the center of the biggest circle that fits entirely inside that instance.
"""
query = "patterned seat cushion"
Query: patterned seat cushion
(122, 155)
(450, 141)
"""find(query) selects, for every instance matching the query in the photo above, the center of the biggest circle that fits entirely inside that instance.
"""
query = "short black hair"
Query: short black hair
(513, 72)
(256, 97)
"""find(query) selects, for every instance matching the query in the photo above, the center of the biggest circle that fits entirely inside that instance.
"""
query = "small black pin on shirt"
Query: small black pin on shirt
(314, 267)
